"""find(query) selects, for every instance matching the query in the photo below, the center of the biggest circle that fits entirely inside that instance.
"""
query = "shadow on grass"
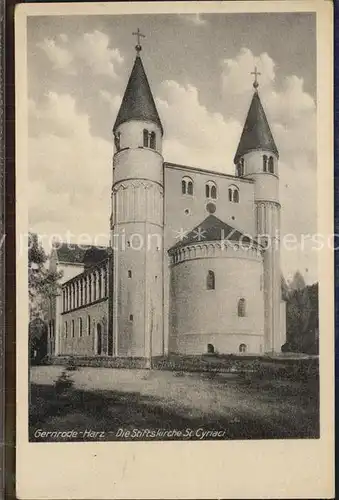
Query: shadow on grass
(98, 416)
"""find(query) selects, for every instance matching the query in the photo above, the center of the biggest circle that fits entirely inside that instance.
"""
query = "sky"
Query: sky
(199, 68)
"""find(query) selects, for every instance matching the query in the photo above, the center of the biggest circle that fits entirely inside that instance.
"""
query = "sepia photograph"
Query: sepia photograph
(172, 242)
(172, 294)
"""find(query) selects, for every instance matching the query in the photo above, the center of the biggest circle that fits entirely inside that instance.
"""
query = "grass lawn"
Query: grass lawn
(103, 400)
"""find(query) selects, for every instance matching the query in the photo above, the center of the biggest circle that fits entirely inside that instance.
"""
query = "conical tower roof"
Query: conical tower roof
(138, 102)
(256, 133)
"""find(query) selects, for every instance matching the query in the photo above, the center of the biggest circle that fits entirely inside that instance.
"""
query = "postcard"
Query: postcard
(175, 286)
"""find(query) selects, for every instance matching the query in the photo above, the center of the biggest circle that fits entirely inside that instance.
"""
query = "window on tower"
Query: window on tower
(152, 140)
(264, 163)
(241, 167)
(149, 139)
(242, 348)
(233, 194)
(210, 281)
(117, 136)
(271, 165)
(187, 186)
(146, 137)
(241, 308)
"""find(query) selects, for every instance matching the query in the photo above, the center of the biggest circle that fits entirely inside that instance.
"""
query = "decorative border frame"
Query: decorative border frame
(2, 248)
(7, 247)
(7, 252)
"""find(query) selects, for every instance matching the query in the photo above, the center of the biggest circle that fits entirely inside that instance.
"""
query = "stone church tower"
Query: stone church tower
(257, 158)
(137, 221)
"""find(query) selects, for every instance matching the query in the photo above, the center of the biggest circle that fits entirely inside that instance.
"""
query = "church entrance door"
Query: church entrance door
(99, 340)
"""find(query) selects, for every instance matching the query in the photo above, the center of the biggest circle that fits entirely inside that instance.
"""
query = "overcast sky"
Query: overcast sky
(199, 70)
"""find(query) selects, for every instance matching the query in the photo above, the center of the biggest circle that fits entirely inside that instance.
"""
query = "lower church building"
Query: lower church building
(193, 264)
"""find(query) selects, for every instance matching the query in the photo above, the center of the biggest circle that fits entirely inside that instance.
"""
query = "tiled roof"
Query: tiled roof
(138, 102)
(213, 229)
(256, 133)
(88, 255)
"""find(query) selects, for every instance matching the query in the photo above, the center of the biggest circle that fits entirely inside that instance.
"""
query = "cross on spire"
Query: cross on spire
(256, 74)
(139, 35)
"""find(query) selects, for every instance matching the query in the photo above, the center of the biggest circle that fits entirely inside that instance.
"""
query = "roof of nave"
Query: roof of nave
(213, 229)
(87, 255)
(256, 133)
(203, 171)
(138, 102)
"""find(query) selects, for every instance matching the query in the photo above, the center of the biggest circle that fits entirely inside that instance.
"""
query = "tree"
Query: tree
(302, 313)
(298, 317)
(42, 282)
(298, 282)
(284, 288)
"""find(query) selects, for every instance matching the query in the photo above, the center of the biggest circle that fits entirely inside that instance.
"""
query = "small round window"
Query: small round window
(211, 208)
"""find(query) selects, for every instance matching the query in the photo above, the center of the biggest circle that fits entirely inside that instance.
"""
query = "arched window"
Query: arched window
(264, 163)
(145, 135)
(89, 289)
(241, 167)
(66, 329)
(210, 282)
(242, 348)
(211, 190)
(85, 290)
(187, 186)
(233, 194)
(80, 327)
(241, 308)
(73, 328)
(81, 293)
(94, 284)
(271, 165)
(117, 136)
(88, 325)
(99, 285)
(152, 140)
(105, 282)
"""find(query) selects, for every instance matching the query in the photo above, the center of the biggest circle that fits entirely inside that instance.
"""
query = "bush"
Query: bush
(46, 360)
(63, 383)
(71, 365)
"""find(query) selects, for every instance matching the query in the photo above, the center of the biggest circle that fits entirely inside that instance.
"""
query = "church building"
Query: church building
(193, 265)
